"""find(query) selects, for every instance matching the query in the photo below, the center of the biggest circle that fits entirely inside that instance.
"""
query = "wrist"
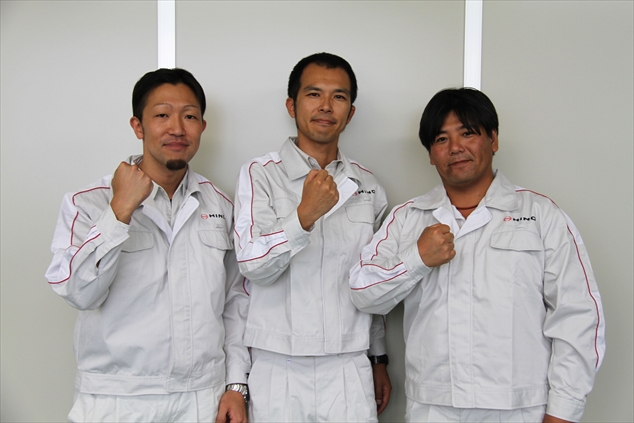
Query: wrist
(379, 359)
(241, 388)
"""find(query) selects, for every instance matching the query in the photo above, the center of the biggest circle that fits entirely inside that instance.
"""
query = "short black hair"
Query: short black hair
(326, 60)
(472, 107)
(152, 80)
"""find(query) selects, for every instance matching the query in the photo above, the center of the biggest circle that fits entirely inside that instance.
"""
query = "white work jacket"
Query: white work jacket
(299, 295)
(160, 305)
(514, 320)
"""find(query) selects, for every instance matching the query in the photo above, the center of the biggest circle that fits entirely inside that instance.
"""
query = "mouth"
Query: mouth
(324, 121)
(176, 145)
(459, 163)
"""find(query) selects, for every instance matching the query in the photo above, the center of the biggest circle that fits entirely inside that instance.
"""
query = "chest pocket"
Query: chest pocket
(361, 213)
(516, 240)
(216, 239)
(137, 241)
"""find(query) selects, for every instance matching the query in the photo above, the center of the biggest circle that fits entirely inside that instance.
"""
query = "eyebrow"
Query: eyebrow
(170, 105)
(337, 90)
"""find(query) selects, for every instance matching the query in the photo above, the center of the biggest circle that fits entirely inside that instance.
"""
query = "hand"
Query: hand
(318, 197)
(232, 408)
(435, 245)
(130, 186)
(382, 386)
(552, 419)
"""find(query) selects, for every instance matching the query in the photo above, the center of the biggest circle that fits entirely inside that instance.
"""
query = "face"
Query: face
(171, 127)
(463, 158)
(323, 107)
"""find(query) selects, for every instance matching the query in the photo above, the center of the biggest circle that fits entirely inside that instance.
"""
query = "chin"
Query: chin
(176, 164)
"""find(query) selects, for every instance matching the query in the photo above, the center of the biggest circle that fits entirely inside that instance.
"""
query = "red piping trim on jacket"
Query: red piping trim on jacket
(70, 268)
(263, 255)
(596, 304)
(361, 167)
(218, 192)
(77, 215)
(253, 192)
(387, 229)
(376, 283)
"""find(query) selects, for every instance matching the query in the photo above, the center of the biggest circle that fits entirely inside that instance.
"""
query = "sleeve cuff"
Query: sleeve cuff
(565, 408)
(112, 231)
(414, 264)
(237, 374)
(297, 237)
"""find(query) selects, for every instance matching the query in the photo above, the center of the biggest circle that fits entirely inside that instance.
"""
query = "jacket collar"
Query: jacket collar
(189, 183)
(500, 195)
(298, 164)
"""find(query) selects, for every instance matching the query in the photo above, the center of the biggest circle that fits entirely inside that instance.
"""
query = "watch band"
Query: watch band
(242, 388)
(379, 359)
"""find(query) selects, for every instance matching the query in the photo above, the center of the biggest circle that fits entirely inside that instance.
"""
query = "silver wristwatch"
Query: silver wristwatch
(241, 388)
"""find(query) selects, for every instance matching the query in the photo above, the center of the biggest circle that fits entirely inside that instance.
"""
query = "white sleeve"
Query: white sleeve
(386, 273)
(85, 255)
(574, 319)
(264, 241)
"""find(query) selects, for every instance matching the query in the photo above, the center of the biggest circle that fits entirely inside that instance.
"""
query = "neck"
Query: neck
(166, 179)
(466, 199)
(324, 153)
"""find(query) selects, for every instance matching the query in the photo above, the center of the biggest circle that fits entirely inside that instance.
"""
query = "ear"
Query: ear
(431, 160)
(135, 123)
(494, 141)
(352, 110)
(290, 107)
(204, 125)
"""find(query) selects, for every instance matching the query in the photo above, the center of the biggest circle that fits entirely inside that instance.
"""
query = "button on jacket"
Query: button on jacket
(299, 293)
(156, 300)
(514, 320)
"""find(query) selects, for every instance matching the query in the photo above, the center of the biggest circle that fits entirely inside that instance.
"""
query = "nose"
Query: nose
(176, 127)
(455, 145)
(326, 105)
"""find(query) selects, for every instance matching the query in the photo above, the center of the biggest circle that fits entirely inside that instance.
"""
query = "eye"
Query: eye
(340, 97)
(161, 115)
(440, 140)
(313, 94)
(191, 117)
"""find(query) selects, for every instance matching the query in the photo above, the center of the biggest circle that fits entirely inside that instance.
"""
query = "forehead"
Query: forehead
(179, 94)
(316, 76)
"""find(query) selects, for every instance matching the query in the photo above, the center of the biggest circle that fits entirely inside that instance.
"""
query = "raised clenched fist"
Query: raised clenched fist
(435, 245)
(319, 195)
(130, 186)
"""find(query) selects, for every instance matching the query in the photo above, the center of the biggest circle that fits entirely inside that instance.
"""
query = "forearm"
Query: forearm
(82, 273)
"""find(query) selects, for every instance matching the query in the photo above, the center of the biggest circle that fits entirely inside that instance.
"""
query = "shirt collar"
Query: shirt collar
(187, 186)
(297, 163)
(500, 195)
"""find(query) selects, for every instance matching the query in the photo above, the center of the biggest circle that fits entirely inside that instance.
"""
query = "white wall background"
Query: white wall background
(559, 72)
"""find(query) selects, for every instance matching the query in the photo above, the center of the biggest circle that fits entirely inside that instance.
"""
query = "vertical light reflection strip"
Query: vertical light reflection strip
(473, 44)
(166, 14)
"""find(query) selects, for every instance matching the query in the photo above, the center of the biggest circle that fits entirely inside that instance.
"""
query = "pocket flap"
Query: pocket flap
(137, 241)
(216, 239)
(360, 213)
(517, 240)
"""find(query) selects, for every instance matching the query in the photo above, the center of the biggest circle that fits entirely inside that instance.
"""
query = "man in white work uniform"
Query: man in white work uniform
(302, 216)
(503, 318)
(147, 257)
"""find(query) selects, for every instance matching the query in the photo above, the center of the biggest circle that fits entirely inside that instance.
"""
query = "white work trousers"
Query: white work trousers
(418, 412)
(332, 388)
(195, 406)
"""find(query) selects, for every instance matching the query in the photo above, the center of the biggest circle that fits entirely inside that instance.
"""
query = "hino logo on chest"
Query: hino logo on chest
(212, 216)
(366, 191)
(519, 219)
